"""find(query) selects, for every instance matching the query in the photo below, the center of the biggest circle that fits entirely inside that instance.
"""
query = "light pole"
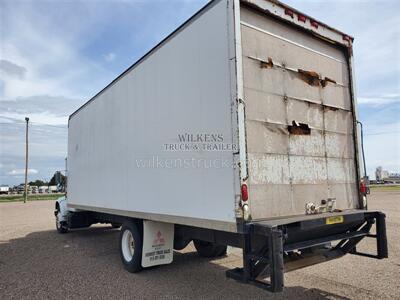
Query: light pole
(26, 160)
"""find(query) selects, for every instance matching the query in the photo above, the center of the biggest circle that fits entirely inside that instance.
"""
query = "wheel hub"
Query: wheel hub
(128, 245)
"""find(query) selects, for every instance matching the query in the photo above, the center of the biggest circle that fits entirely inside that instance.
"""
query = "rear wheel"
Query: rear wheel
(130, 242)
(208, 249)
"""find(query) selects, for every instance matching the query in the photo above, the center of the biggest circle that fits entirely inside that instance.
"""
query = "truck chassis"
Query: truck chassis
(270, 247)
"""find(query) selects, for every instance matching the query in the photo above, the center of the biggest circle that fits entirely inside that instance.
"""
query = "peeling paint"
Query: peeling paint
(268, 64)
(299, 129)
(310, 77)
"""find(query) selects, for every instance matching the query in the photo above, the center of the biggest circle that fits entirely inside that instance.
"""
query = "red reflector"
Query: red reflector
(346, 38)
(245, 194)
(301, 18)
(314, 24)
(363, 188)
(289, 12)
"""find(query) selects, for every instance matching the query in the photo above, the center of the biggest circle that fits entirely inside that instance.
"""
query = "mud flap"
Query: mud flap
(158, 243)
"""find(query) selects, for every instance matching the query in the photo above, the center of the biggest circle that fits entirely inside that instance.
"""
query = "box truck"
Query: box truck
(238, 129)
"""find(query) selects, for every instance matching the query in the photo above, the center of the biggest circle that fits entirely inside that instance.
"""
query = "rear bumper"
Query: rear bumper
(308, 231)
(274, 247)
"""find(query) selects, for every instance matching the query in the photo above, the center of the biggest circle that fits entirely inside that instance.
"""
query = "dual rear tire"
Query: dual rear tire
(208, 249)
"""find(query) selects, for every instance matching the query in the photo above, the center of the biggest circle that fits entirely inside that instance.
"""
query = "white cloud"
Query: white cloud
(44, 118)
(379, 100)
(34, 81)
(17, 172)
(48, 63)
(45, 110)
(11, 69)
(109, 56)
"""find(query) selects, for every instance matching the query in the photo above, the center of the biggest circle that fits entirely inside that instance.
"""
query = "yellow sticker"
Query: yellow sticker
(334, 220)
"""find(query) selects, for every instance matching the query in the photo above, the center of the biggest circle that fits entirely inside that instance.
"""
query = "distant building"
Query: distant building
(53, 189)
(4, 189)
(383, 176)
(43, 189)
(21, 188)
(392, 178)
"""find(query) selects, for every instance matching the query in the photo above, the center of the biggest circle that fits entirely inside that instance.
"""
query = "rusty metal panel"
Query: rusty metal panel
(302, 193)
(299, 120)
(307, 170)
(258, 104)
(344, 193)
(341, 170)
(339, 145)
(307, 145)
(260, 32)
(265, 169)
(338, 121)
(305, 112)
(267, 138)
(272, 200)
(256, 79)
(337, 96)
(280, 10)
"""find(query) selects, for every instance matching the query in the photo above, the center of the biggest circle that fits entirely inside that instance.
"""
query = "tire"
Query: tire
(208, 249)
(130, 247)
(180, 244)
(62, 227)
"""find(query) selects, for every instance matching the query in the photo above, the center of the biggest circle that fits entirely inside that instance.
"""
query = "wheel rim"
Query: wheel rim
(128, 245)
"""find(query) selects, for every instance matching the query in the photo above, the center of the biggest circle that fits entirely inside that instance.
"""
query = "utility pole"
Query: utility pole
(26, 160)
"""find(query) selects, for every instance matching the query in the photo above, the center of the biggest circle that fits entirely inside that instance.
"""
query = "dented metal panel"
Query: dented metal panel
(299, 119)
(288, 14)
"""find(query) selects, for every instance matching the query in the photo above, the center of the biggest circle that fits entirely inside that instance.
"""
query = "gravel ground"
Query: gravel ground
(38, 263)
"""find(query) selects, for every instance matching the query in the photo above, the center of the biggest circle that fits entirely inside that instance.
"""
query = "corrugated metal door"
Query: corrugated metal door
(299, 120)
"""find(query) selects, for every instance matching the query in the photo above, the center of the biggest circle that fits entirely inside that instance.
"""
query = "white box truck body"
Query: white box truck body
(182, 87)
(244, 117)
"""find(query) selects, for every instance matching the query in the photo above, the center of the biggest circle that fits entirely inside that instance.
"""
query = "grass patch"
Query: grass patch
(34, 197)
(382, 187)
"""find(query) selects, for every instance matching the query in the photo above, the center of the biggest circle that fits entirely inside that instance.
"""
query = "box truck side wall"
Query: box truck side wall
(125, 154)
(299, 119)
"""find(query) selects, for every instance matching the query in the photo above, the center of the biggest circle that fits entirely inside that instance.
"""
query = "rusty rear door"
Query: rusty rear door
(299, 119)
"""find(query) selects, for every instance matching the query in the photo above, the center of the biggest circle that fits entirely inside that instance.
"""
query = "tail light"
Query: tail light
(314, 24)
(363, 187)
(289, 12)
(301, 18)
(346, 38)
(245, 194)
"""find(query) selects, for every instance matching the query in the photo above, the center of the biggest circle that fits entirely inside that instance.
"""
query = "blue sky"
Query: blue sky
(55, 55)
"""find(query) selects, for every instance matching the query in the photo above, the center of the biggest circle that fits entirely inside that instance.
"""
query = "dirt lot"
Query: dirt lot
(36, 262)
